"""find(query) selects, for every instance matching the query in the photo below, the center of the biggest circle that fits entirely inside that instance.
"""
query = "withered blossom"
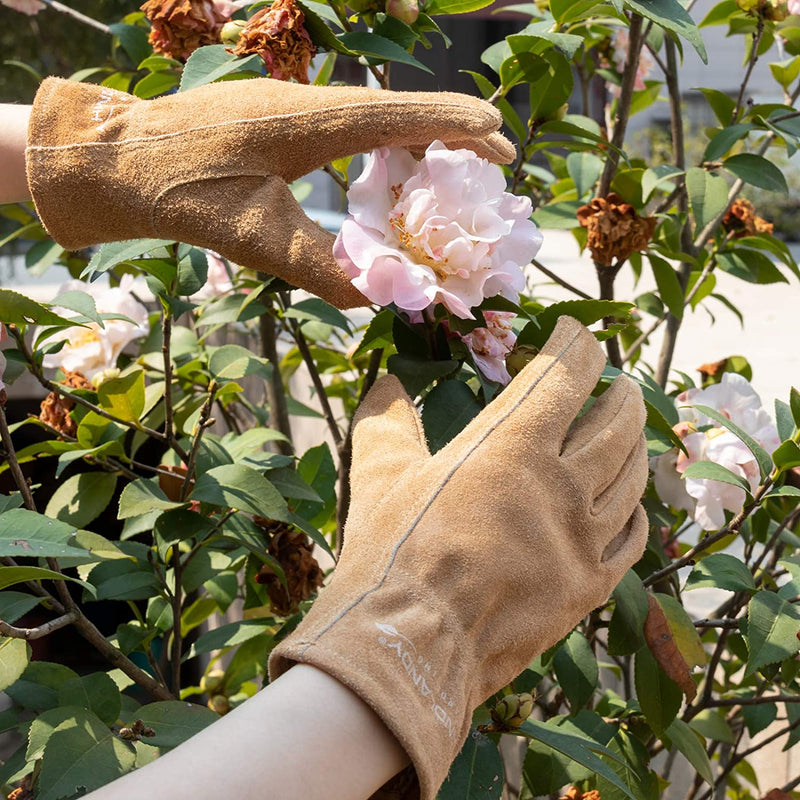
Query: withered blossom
(179, 27)
(615, 229)
(741, 220)
(279, 36)
(55, 408)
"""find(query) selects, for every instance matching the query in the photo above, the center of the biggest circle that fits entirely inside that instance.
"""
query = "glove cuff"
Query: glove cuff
(402, 658)
(70, 161)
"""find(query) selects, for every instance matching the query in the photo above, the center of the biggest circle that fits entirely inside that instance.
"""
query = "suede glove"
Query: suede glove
(459, 568)
(210, 166)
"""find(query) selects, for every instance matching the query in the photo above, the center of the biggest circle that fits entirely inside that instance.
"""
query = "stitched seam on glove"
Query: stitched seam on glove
(438, 490)
(251, 120)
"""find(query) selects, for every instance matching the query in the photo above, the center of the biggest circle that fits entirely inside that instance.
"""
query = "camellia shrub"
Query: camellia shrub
(180, 494)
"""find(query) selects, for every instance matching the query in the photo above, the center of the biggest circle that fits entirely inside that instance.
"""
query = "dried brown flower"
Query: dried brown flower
(741, 220)
(279, 36)
(55, 408)
(713, 369)
(23, 791)
(575, 793)
(615, 229)
(292, 550)
(179, 27)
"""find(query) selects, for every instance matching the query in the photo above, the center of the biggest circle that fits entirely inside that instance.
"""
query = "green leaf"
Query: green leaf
(292, 485)
(155, 83)
(174, 722)
(708, 195)
(772, 628)
(38, 685)
(787, 455)
(12, 575)
(82, 498)
(476, 773)
(232, 634)
(757, 171)
(669, 286)
(671, 16)
(210, 63)
(192, 270)
(240, 487)
(710, 724)
(318, 311)
(42, 728)
(125, 579)
(584, 169)
(758, 717)
(586, 311)
(688, 742)
(455, 6)
(14, 605)
(17, 309)
(379, 48)
(581, 750)
(133, 39)
(576, 669)
(626, 628)
(143, 496)
(317, 469)
(652, 177)
(82, 755)
(96, 692)
(232, 362)
(722, 141)
(417, 374)
(786, 72)
(721, 571)
(113, 253)
(709, 470)
(447, 410)
(80, 302)
(378, 333)
(659, 696)
(794, 405)
(750, 265)
(27, 534)
(14, 657)
(761, 455)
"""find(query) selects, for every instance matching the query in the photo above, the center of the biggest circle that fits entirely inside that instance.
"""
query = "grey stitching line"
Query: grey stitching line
(433, 497)
(250, 120)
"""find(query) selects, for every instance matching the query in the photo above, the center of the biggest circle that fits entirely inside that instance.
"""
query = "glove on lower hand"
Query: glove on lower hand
(459, 568)
(210, 166)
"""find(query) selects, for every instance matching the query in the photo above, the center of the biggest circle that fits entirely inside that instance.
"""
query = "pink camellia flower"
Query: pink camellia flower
(706, 440)
(490, 345)
(794, 6)
(441, 230)
(619, 53)
(29, 7)
(92, 349)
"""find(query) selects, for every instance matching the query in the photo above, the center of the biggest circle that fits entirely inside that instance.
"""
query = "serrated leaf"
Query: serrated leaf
(210, 63)
(82, 498)
(625, 631)
(143, 496)
(708, 195)
(772, 628)
(379, 48)
(659, 696)
(9, 576)
(240, 487)
(687, 741)
(448, 409)
(174, 722)
(14, 657)
(17, 309)
(671, 16)
(709, 470)
(721, 571)
(113, 253)
(476, 773)
(576, 669)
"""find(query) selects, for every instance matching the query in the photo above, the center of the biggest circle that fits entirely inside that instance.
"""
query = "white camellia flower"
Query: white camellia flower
(706, 440)
(439, 230)
(92, 349)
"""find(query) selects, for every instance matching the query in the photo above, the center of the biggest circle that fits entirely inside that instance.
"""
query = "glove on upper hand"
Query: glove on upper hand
(459, 568)
(210, 166)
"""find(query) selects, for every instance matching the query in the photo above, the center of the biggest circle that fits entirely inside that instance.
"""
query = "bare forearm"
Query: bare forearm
(304, 737)
(13, 134)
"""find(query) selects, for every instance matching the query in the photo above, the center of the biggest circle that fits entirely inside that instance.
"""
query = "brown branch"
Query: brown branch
(560, 281)
(635, 42)
(203, 422)
(276, 395)
(759, 32)
(76, 15)
(729, 702)
(41, 630)
(13, 464)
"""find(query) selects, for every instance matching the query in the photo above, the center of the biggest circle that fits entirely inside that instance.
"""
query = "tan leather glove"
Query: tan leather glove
(210, 166)
(459, 568)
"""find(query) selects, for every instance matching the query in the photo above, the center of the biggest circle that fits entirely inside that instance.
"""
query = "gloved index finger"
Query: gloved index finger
(539, 405)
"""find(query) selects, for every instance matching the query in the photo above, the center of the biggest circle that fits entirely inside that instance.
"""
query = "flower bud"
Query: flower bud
(748, 5)
(405, 10)
(521, 355)
(213, 682)
(220, 704)
(231, 31)
(775, 10)
(513, 710)
(104, 375)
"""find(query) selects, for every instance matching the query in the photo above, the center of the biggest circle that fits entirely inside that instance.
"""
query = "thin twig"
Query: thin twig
(13, 464)
(76, 15)
(728, 702)
(759, 32)
(202, 423)
(39, 631)
(342, 183)
(560, 281)
(276, 394)
(717, 623)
